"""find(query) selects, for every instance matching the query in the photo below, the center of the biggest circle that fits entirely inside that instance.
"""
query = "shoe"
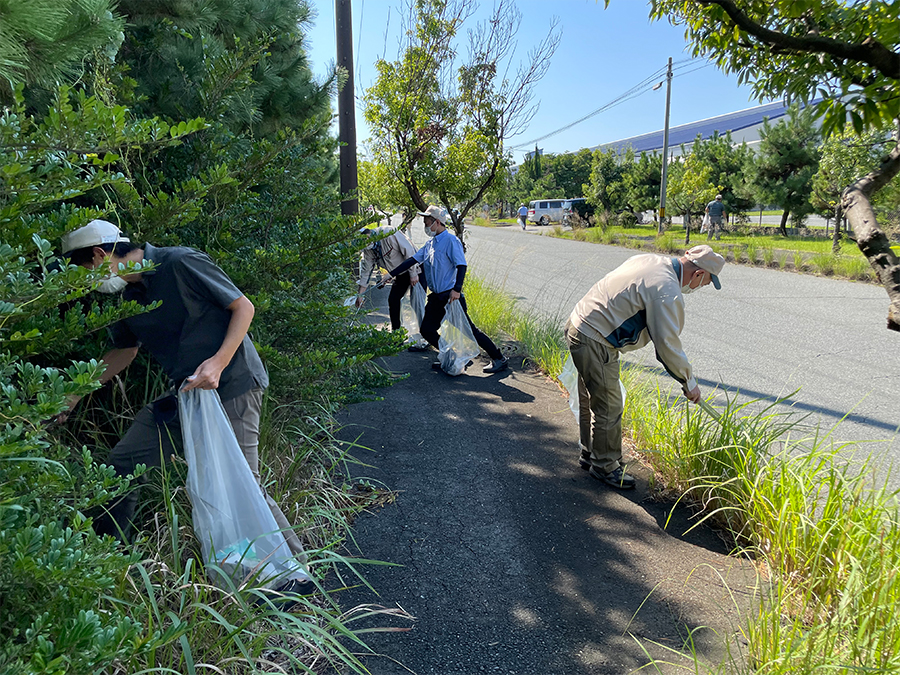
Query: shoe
(497, 365)
(617, 478)
(585, 460)
(436, 365)
(418, 348)
(285, 596)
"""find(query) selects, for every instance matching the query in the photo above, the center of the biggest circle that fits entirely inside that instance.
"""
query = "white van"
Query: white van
(546, 211)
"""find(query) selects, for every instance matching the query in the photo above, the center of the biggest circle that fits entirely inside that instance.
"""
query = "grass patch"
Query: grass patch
(826, 540)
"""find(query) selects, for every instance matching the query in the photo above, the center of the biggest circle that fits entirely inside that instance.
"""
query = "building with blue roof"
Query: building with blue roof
(744, 126)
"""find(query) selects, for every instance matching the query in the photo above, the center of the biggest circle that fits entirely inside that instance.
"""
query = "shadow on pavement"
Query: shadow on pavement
(512, 559)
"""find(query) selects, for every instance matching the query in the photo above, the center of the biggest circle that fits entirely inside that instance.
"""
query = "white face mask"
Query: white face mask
(430, 232)
(687, 290)
(112, 285)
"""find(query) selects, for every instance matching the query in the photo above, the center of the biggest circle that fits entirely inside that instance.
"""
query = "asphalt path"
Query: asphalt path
(509, 556)
(765, 334)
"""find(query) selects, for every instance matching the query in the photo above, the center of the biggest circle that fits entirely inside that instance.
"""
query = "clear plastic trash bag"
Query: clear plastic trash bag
(412, 311)
(705, 224)
(457, 345)
(568, 378)
(236, 529)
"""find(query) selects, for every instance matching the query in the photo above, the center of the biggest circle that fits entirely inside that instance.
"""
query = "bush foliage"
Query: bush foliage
(255, 188)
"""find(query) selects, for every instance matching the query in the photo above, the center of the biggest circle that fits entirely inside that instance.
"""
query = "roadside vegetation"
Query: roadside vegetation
(223, 148)
(823, 533)
(807, 253)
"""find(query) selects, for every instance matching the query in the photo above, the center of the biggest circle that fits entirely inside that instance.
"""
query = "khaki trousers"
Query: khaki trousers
(154, 437)
(599, 399)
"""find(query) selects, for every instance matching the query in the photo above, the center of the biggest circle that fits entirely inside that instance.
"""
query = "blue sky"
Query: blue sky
(602, 55)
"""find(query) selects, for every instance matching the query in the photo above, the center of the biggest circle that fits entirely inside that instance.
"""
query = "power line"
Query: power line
(639, 89)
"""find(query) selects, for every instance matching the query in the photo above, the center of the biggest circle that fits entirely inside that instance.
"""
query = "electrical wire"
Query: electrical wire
(637, 90)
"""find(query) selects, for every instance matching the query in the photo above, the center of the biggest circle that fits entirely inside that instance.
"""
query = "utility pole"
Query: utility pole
(343, 16)
(665, 157)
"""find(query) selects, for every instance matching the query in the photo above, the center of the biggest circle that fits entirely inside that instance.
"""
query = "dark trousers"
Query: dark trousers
(436, 307)
(398, 287)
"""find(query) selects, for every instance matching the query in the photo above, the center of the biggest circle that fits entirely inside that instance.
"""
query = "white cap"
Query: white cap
(437, 212)
(95, 233)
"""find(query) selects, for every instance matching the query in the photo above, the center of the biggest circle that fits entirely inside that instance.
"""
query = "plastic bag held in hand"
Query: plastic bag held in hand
(457, 345)
(411, 313)
(568, 378)
(236, 529)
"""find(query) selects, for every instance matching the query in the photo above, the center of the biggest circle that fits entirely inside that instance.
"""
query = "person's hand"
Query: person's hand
(693, 395)
(360, 299)
(413, 282)
(72, 401)
(386, 278)
(454, 296)
(206, 376)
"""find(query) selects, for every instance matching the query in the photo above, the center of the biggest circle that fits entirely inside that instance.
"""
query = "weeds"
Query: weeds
(750, 249)
(823, 263)
(828, 541)
(799, 261)
(768, 255)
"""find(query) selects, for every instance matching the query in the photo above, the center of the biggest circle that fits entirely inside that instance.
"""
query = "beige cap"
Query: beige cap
(439, 213)
(707, 260)
(95, 233)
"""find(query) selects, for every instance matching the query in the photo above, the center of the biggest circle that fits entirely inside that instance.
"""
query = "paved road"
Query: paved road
(512, 559)
(766, 333)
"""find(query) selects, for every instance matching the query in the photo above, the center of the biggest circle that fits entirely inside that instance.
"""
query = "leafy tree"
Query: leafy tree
(606, 189)
(571, 170)
(239, 62)
(727, 164)
(799, 50)
(785, 164)
(690, 187)
(380, 192)
(439, 127)
(45, 42)
(642, 180)
(844, 156)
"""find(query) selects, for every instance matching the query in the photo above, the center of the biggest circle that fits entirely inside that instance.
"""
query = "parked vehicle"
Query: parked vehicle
(579, 206)
(545, 211)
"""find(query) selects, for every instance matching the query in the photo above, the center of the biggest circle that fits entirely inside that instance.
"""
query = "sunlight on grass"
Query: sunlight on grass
(825, 537)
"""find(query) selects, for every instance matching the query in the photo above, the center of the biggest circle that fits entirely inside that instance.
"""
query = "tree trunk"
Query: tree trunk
(783, 226)
(836, 238)
(871, 240)
(687, 229)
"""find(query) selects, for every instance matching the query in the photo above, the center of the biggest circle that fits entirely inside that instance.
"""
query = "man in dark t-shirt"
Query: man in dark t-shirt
(198, 334)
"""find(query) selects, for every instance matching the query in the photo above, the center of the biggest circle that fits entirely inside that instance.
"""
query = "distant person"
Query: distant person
(639, 301)
(388, 253)
(445, 268)
(523, 215)
(717, 212)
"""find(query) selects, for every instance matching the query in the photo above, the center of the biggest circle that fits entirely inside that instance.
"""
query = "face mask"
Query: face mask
(112, 285)
(687, 290)
(430, 232)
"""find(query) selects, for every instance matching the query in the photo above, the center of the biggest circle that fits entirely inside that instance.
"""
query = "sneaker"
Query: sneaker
(286, 596)
(418, 348)
(617, 478)
(436, 365)
(585, 460)
(497, 365)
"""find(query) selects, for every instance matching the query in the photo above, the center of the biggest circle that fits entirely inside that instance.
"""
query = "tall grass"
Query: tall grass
(825, 538)
(194, 626)
(823, 263)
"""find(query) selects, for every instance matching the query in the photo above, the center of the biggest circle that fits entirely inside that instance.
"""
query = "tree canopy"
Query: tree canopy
(844, 52)
(439, 125)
